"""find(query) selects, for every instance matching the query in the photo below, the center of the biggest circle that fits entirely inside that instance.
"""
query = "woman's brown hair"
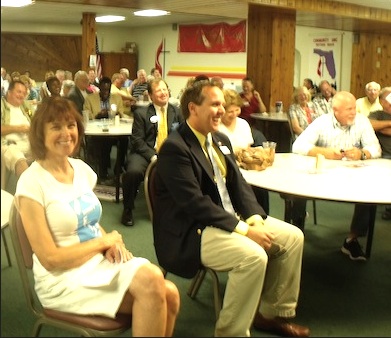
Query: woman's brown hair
(49, 110)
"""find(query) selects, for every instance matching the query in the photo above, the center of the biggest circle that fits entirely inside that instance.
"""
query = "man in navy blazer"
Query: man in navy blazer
(143, 142)
(262, 255)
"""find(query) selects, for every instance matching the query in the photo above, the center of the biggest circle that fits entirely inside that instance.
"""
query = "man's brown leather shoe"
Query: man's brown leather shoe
(280, 326)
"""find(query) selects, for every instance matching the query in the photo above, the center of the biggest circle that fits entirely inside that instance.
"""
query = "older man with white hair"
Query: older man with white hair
(370, 102)
(343, 135)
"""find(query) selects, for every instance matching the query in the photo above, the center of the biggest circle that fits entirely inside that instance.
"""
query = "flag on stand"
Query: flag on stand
(319, 70)
(158, 52)
(98, 68)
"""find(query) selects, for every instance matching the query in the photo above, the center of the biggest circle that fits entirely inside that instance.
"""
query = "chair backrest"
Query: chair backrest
(82, 325)
(24, 257)
(149, 187)
(293, 135)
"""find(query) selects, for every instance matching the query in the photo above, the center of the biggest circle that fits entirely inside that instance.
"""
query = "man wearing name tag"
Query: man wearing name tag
(197, 184)
(151, 126)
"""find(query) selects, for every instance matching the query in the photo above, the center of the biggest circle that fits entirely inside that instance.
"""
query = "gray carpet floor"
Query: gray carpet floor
(339, 297)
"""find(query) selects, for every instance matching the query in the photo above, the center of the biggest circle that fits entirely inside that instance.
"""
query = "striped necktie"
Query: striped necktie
(224, 195)
(162, 129)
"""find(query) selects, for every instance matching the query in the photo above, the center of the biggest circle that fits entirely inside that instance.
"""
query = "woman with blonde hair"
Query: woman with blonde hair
(238, 130)
(302, 111)
(241, 135)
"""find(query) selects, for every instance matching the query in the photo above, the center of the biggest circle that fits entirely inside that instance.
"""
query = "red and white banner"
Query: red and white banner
(157, 61)
(214, 38)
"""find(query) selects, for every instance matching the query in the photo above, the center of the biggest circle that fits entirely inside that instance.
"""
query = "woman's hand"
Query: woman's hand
(118, 254)
(112, 238)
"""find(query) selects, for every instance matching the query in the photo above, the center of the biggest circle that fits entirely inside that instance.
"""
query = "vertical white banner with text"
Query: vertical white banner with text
(325, 58)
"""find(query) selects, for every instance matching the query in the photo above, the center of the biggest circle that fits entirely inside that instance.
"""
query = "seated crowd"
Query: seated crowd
(194, 144)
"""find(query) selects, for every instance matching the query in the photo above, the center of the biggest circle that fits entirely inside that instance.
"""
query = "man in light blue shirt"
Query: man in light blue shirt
(344, 134)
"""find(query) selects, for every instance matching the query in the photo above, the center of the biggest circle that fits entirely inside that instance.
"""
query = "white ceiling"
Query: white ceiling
(182, 11)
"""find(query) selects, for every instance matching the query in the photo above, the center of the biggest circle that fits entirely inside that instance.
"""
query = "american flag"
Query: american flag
(98, 63)
(158, 52)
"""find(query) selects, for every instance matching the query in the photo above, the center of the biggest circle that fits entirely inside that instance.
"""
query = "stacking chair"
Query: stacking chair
(149, 192)
(293, 137)
(4, 225)
(86, 326)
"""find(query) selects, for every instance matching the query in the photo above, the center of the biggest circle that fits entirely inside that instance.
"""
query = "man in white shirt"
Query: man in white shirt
(15, 126)
(343, 135)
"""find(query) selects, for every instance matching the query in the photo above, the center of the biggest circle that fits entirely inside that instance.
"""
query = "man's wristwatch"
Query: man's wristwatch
(363, 155)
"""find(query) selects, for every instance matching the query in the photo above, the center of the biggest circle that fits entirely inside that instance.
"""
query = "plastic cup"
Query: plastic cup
(278, 106)
(105, 125)
(270, 146)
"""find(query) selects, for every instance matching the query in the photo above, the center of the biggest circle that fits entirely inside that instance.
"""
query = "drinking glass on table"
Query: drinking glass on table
(271, 147)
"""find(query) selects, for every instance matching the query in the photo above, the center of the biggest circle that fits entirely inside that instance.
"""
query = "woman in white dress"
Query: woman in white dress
(78, 267)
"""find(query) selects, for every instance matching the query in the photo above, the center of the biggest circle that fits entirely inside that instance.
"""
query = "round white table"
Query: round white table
(366, 181)
(6, 204)
(95, 128)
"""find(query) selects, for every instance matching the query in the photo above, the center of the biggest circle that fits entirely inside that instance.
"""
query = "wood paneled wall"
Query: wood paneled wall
(371, 61)
(40, 53)
(271, 53)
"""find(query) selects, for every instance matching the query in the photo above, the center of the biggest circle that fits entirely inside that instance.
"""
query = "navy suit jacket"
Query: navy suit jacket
(76, 96)
(187, 200)
(144, 131)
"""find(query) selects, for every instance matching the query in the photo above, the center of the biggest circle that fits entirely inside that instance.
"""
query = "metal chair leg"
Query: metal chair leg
(6, 247)
(196, 283)
(314, 209)
(216, 292)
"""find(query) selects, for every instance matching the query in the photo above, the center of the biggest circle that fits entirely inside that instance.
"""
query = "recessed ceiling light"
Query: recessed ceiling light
(16, 3)
(151, 12)
(109, 18)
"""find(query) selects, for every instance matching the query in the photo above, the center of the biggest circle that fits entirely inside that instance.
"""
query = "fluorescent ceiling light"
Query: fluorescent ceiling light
(151, 12)
(109, 18)
(16, 3)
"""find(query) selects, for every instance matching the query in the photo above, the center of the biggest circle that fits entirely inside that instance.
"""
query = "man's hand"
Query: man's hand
(260, 234)
(352, 154)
